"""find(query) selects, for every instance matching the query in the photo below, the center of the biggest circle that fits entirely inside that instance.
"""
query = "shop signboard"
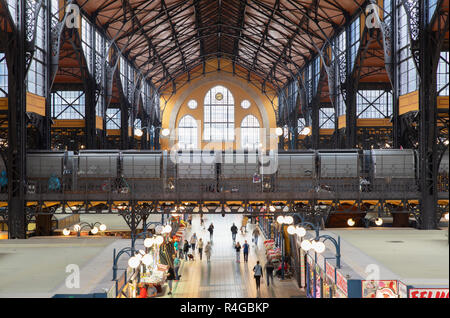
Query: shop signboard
(341, 283)
(379, 289)
(330, 272)
(318, 283)
(402, 290)
(428, 293)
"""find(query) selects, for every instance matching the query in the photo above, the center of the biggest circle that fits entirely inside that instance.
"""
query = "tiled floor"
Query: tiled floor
(223, 277)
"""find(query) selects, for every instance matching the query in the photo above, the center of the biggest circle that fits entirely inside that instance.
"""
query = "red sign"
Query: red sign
(330, 272)
(341, 282)
(428, 293)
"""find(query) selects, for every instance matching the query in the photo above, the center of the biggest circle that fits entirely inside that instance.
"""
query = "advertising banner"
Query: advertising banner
(379, 289)
(428, 293)
(330, 271)
(341, 283)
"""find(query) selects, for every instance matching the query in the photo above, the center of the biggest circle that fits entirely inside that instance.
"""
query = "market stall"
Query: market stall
(273, 253)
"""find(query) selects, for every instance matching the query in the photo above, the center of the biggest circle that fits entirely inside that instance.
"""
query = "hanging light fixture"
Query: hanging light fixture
(147, 259)
(148, 242)
(291, 230)
(159, 240)
(94, 230)
(288, 219)
(133, 262)
(306, 245)
(319, 247)
(301, 231)
(280, 219)
(379, 221)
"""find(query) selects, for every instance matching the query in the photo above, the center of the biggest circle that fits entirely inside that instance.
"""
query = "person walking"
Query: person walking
(193, 241)
(246, 248)
(170, 278)
(256, 234)
(200, 248)
(202, 222)
(238, 252)
(186, 249)
(211, 231)
(244, 225)
(234, 231)
(258, 274)
(208, 251)
(269, 271)
(176, 266)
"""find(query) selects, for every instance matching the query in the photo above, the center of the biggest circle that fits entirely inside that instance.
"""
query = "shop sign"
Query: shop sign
(341, 282)
(318, 272)
(331, 272)
(428, 293)
(318, 287)
(402, 290)
(379, 289)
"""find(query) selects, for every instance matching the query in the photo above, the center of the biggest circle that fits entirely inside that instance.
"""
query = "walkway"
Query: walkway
(223, 277)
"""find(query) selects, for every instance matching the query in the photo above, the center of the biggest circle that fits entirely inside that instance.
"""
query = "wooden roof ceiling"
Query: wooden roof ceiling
(270, 38)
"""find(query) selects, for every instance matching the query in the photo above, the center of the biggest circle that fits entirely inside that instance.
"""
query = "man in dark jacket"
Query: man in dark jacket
(269, 271)
(186, 247)
(234, 231)
(211, 231)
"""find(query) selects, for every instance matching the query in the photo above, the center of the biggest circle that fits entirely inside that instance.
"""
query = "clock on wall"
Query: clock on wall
(219, 96)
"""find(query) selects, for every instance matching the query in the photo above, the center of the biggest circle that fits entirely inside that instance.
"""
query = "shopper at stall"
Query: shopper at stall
(200, 248)
(256, 234)
(238, 252)
(170, 278)
(193, 242)
(208, 251)
(269, 271)
(246, 248)
(211, 231)
(258, 274)
(279, 271)
(234, 231)
(176, 266)
(186, 249)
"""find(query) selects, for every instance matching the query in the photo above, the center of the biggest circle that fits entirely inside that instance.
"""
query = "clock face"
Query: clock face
(219, 96)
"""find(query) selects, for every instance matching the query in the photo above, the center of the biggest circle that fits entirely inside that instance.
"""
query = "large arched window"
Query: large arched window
(218, 115)
(250, 132)
(187, 133)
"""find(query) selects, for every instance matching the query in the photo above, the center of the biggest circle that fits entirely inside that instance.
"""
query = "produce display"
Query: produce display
(273, 253)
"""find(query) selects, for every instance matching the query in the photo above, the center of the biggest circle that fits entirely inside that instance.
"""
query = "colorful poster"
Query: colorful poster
(428, 293)
(330, 271)
(379, 289)
(318, 283)
(341, 283)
